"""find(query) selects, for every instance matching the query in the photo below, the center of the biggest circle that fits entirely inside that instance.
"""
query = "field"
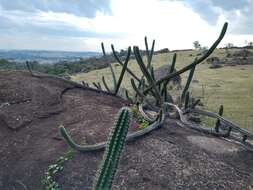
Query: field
(231, 86)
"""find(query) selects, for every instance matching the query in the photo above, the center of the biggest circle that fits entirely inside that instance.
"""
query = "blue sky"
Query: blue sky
(78, 25)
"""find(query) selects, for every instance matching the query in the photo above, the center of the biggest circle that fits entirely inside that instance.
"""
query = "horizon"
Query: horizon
(77, 26)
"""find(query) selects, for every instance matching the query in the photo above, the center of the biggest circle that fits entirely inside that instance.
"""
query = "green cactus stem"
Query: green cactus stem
(165, 85)
(128, 97)
(186, 100)
(194, 104)
(29, 67)
(122, 72)
(217, 124)
(115, 143)
(103, 48)
(150, 53)
(121, 63)
(105, 84)
(194, 63)
(97, 85)
(188, 83)
(147, 75)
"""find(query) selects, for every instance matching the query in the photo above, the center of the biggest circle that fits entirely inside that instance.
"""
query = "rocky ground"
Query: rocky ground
(173, 157)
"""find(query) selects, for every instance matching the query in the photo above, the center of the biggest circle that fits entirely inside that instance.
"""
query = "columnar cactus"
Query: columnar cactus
(217, 125)
(187, 85)
(115, 143)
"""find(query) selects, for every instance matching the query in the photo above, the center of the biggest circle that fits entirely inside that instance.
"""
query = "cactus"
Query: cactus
(172, 68)
(194, 63)
(187, 85)
(128, 97)
(121, 63)
(149, 54)
(105, 84)
(97, 85)
(113, 77)
(115, 143)
(110, 66)
(116, 84)
(103, 48)
(194, 104)
(122, 72)
(186, 100)
(146, 73)
(29, 67)
(217, 125)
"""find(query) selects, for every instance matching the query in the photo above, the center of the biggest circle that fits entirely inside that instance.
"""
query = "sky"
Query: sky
(81, 25)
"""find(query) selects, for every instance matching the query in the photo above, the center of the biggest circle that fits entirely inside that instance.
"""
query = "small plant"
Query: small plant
(49, 182)
(142, 122)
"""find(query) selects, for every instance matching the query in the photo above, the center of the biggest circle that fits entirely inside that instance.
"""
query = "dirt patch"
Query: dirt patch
(31, 109)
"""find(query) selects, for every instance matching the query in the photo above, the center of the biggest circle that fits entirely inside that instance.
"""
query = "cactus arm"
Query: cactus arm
(136, 89)
(29, 67)
(123, 71)
(147, 74)
(173, 64)
(194, 63)
(140, 94)
(128, 97)
(113, 77)
(186, 100)
(103, 49)
(152, 72)
(75, 146)
(120, 62)
(100, 146)
(97, 85)
(217, 125)
(188, 83)
(105, 84)
(195, 104)
(149, 54)
(110, 66)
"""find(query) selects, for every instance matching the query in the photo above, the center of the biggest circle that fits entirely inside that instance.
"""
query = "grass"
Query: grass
(230, 86)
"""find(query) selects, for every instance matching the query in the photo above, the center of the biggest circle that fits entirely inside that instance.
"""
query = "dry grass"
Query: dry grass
(230, 86)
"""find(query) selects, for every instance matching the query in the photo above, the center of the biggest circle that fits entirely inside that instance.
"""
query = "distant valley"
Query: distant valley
(43, 56)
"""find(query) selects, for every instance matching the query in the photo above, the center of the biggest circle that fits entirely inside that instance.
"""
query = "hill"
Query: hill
(172, 157)
(231, 85)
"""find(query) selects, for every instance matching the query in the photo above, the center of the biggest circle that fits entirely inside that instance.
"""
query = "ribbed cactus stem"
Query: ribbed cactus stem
(115, 143)
(103, 48)
(188, 83)
(165, 85)
(121, 63)
(217, 125)
(124, 68)
(105, 84)
(186, 101)
(149, 53)
(194, 104)
(194, 63)
(29, 67)
(113, 77)
(148, 76)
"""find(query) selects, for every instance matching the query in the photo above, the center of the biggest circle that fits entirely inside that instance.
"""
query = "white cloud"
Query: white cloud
(171, 23)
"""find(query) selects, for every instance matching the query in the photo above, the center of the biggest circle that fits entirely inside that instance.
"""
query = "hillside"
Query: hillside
(173, 157)
(231, 86)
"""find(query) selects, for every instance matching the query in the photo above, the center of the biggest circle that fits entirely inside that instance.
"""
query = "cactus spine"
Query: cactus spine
(115, 143)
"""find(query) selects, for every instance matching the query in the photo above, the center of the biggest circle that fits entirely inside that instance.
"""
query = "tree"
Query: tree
(250, 44)
(229, 45)
(196, 45)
